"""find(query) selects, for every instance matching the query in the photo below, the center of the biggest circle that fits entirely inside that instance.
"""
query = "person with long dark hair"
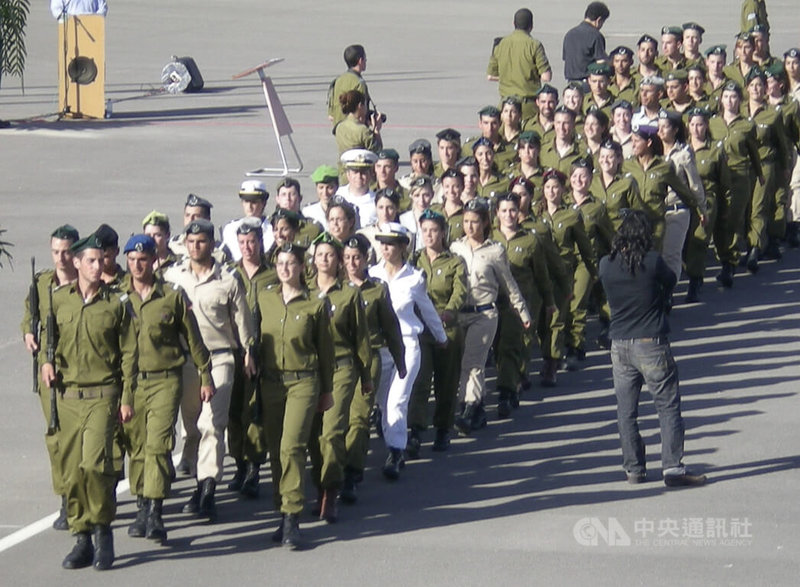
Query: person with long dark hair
(638, 284)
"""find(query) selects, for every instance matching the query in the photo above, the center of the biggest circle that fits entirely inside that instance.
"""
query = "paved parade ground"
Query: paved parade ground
(538, 499)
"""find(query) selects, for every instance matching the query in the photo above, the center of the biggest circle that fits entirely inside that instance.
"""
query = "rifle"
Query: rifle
(51, 358)
(36, 322)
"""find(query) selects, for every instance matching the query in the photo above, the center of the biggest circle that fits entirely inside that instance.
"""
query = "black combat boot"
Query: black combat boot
(348, 493)
(329, 510)
(251, 479)
(291, 532)
(442, 441)
(693, 293)
(503, 403)
(238, 477)
(413, 444)
(464, 421)
(60, 522)
(154, 529)
(479, 419)
(725, 276)
(394, 462)
(103, 547)
(752, 260)
(277, 535)
(207, 507)
(193, 505)
(82, 554)
(138, 528)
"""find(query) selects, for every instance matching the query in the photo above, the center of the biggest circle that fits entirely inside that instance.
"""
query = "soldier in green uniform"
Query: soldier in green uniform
(542, 122)
(448, 143)
(468, 168)
(622, 126)
(646, 52)
(96, 361)
(528, 167)
(452, 208)
(529, 268)
(353, 360)
(623, 85)
(775, 153)
(599, 231)
(566, 226)
(676, 84)
(753, 12)
(595, 130)
(510, 119)
(156, 226)
(246, 442)
(386, 342)
(565, 148)
(297, 364)
(63, 273)
(600, 95)
(761, 52)
(160, 315)
(199, 208)
(696, 80)
(356, 130)
(716, 56)
(421, 160)
(519, 63)
(490, 181)
(386, 176)
(743, 62)
(671, 56)
(572, 98)
(712, 166)
(355, 57)
(446, 284)
(692, 39)
(612, 187)
(655, 176)
(326, 182)
(489, 123)
(738, 136)
(289, 197)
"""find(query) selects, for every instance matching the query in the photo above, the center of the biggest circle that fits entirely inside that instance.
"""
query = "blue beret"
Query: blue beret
(140, 243)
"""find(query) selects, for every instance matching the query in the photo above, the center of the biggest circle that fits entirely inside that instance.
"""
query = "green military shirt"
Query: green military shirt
(159, 321)
(96, 343)
(753, 12)
(556, 268)
(712, 166)
(528, 263)
(504, 152)
(297, 336)
(739, 141)
(622, 192)
(789, 109)
(445, 281)
(665, 65)
(308, 231)
(533, 123)
(455, 222)
(604, 105)
(597, 224)
(45, 279)
(519, 61)
(551, 158)
(497, 184)
(382, 323)
(654, 182)
(168, 262)
(569, 234)
(352, 134)
(265, 275)
(773, 142)
(349, 325)
(629, 92)
(714, 96)
(349, 80)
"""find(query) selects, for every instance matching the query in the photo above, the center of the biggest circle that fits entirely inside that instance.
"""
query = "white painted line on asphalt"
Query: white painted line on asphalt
(40, 526)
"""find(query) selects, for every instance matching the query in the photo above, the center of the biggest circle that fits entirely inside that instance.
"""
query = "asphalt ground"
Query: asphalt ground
(519, 503)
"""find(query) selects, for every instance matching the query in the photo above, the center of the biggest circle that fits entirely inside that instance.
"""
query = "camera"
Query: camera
(371, 114)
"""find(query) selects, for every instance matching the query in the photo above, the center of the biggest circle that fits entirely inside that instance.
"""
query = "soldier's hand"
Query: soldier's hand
(526, 325)
(550, 310)
(325, 402)
(207, 392)
(366, 387)
(48, 374)
(447, 317)
(30, 343)
(703, 220)
(249, 366)
(402, 371)
(125, 413)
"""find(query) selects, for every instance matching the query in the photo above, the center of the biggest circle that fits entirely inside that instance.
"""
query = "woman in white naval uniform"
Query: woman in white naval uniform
(407, 292)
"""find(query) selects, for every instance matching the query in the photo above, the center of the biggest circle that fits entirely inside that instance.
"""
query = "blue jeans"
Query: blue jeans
(649, 361)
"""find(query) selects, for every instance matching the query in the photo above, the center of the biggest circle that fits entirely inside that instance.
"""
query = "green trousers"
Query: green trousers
(246, 441)
(86, 442)
(512, 350)
(698, 237)
(289, 408)
(762, 206)
(776, 227)
(551, 328)
(733, 214)
(357, 438)
(326, 446)
(442, 366)
(576, 319)
(51, 442)
(151, 434)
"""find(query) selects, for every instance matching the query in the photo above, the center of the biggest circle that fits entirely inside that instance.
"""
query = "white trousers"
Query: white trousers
(394, 393)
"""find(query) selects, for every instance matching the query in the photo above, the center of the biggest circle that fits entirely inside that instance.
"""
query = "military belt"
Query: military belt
(344, 362)
(676, 207)
(159, 374)
(91, 392)
(285, 376)
(220, 351)
(478, 309)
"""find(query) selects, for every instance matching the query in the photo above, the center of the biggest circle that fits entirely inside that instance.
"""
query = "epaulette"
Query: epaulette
(124, 298)
(270, 286)
(628, 175)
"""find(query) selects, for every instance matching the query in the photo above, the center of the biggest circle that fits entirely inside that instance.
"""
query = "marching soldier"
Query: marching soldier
(160, 314)
(96, 360)
(63, 273)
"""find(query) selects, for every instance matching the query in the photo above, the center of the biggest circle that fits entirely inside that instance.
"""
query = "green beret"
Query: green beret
(489, 111)
(794, 53)
(89, 242)
(694, 27)
(530, 136)
(450, 135)
(389, 154)
(680, 75)
(599, 69)
(156, 219)
(755, 72)
(326, 238)
(759, 28)
(66, 232)
(290, 215)
(325, 174)
(717, 50)
(672, 30)
(697, 111)
(775, 70)
(547, 89)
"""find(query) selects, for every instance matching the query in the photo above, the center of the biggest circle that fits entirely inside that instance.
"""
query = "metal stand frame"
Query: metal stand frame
(280, 124)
